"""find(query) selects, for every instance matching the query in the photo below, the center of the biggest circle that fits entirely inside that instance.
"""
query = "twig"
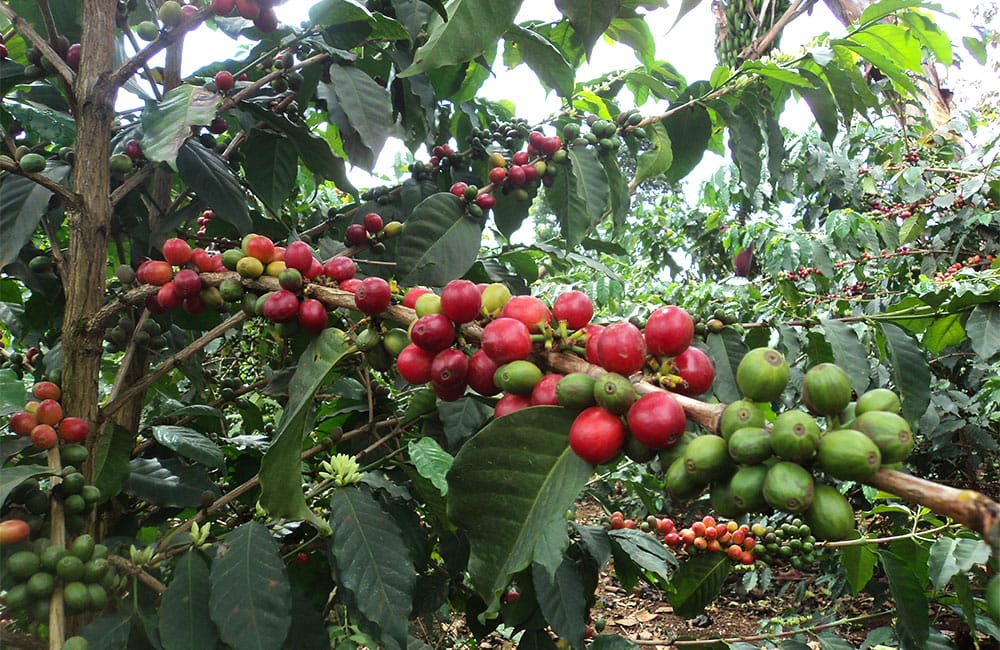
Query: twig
(133, 181)
(166, 38)
(72, 201)
(61, 268)
(756, 48)
(22, 27)
(135, 571)
(126, 362)
(116, 403)
(884, 540)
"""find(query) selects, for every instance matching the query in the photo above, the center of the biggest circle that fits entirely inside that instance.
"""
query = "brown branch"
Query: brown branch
(758, 46)
(71, 199)
(133, 181)
(22, 27)
(122, 564)
(62, 269)
(166, 38)
(103, 317)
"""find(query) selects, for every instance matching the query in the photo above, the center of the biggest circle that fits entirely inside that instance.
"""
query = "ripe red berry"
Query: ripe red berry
(349, 285)
(23, 422)
(550, 145)
(520, 158)
(133, 149)
(73, 429)
(544, 392)
(224, 80)
(167, 297)
(340, 268)
(261, 247)
(154, 272)
(373, 222)
(44, 436)
(218, 125)
(509, 403)
(433, 332)
(266, 21)
(281, 306)
(46, 390)
(223, 7)
(187, 283)
(373, 296)
(202, 260)
(72, 56)
(458, 189)
(14, 531)
(461, 300)
(449, 369)
(506, 340)
(486, 201)
(657, 420)
(621, 348)
(49, 411)
(356, 234)
(696, 369)
(414, 364)
(529, 310)
(312, 315)
(481, 372)
(299, 256)
(410, 299)
(593, 336)
(498, 175)
(669, 331)
(574, 307)
(516, 175)
(596, 435)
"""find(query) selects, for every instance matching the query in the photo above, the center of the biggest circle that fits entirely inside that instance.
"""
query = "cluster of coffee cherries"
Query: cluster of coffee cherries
(738, 541)
(42, 419)
(371, 231)
(791, 541)
(970, 262)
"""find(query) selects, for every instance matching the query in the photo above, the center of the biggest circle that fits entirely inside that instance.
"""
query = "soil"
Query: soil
(644, 615)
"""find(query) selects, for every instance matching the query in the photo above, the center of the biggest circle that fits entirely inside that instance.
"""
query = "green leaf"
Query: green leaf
(462, 418)
(643, 550)
(108, 632)
(828, 640)
(952, 555)
(635, 33)
(519, 470)
(746, 142)
(439, 242)
(686, 7)
(910, 371)
(12, 392)
(14, 476)
(589, 18)
(912, 614)
(821, 103)
(111, 460)
(562, 599)
(983, 327)
(876, 11)
(726, 350)
(579, 194)
(23, 202)
(43, 122)
(168, 482)
(659, 158)
(877, 58)
(166, 126)
(848, 352)
(472, 27)
(371, 561)
(432, 462)
(859, 565)
(184, 620)
(275, 167)
(190, 444)
(205, 172)
(280, 469)
(912, 228)
(895, 42)
(944, 332)
(361, 109)
(690, 131)
(974, 46)
(697, 582)
(619, 197)
(510, 212)
(542, 57)
(250, 598)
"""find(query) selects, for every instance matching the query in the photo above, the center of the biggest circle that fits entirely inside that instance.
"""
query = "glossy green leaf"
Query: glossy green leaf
(43, 122)
(472, 27)
(746, 141)
(361, 109)
(878, 10)
(462, 418)
(643, 550)
(697, 582)
(944, 332)
(280, 471)
(273, 175)
(658, 158)
(562, 599)
(169, 482)
(952, 555)
(190, 444)
(910, 370)
(859, 564)
(371, 561)
(895, 42)
(983, 326)
(250, 599)
(184, 620)
(439, 242)
(166, 126)
(108, 632)
(821, 103)
(22, 205)
(912, 618)
(542, 57)
(929, 34)
(111, 460)
(432, 462)
(14, 476)
(635, 33)
(589, 18)
(338, 12)
(12, 393)
(880, 60)
(66, 15)
(510, 212)
(509, 485)
(689, 130)
(205, 172)
(848, 352)
(726, 350)
(579, 195)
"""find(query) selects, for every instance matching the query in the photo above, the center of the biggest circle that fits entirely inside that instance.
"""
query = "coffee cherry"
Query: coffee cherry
(356, 234)
(506, 340)
(621, 348)
(340, 268)
(414, 364)
(461, 301)
(373, 222)
(373, 296)
(433, 332)
(574, 307)
(596, 435)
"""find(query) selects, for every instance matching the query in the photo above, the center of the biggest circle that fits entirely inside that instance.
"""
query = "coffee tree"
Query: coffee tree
(251, 405)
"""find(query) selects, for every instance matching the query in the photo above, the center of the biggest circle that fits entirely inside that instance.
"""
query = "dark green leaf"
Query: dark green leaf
(848, 352)
(746, 142)
(462, 418)
(690, 131)
(876, 11)
(821, 103)
(12, 393)
(472, 27)
(518, 470)
(510, 212)
(338, 12)
(169, 482)
(43, 122)
(108, 632)
(944, 332)
(372, 562)
(595, 541)
(184, 621)
(686, 6)
(250, 598)
(589, 18)
(431, 461)
(620, 199)
(542, 57)
(111, 460)
(358, 105)
(983, 327)
(308, 629)
(190, 444)
(828, 640)
(562, 599)
(205, 172)
(659, 158)
(910, 371)
(14, 476)
(697, 582)
(439, 242)
(912, 616)
(859, 565)
(951, 555)
(579, 195)
(635, 33)
(644, 550)
(166, 126)
(726, 350)
(275, 167)
(23, 202)
(280, 471)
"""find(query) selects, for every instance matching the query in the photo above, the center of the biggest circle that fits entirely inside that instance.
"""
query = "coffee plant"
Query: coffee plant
(248, 404)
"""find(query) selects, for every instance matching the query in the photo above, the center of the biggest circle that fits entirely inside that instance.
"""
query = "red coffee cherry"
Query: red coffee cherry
(596, 435)
(506, 340)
